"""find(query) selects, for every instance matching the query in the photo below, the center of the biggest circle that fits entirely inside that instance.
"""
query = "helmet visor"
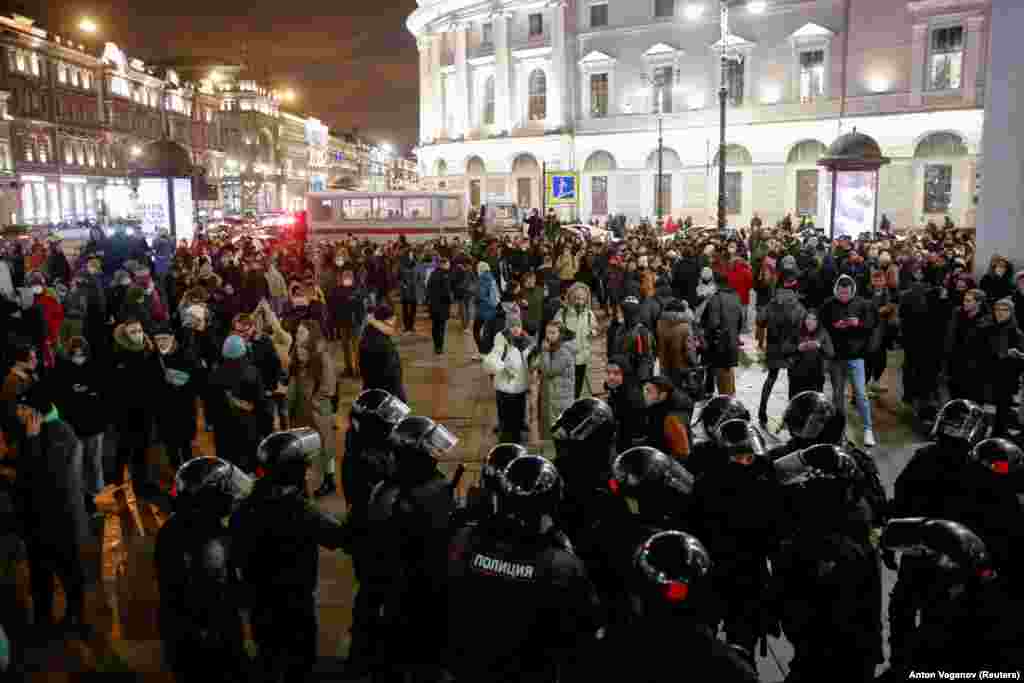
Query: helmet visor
(439, 440)
(739, 438)
(393, 411)
(792, 470)
(567, 431)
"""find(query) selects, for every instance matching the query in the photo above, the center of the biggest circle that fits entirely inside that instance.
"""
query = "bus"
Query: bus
(335, 214)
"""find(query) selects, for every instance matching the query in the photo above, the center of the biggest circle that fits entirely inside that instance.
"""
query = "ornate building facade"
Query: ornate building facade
(508, 88)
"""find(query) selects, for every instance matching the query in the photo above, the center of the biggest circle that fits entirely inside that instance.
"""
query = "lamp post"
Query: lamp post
(656, 82)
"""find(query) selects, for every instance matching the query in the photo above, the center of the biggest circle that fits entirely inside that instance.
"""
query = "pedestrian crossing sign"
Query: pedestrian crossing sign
(561, 188)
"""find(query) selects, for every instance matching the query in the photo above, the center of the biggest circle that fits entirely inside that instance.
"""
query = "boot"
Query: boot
(762, 412)
(327, 488)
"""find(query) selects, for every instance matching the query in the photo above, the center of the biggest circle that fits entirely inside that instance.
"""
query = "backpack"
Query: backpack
(638, 344)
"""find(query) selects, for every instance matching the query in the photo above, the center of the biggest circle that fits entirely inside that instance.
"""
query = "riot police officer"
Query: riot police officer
(482, 500)
(931, 485)
(971, 620)
(673, 616)
(369, 460)
(811, 419)
(409, 526)
(368, 457)
(704, 452)
(826, 558)
(584, 436)
(541, 608)
(277, 535)
(739, 503)
(199, 616)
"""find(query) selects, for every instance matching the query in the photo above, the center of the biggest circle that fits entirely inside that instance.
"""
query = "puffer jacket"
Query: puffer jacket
(509, 364)
(784, 315)
(582, 323)
(487, 297)
(557, 384)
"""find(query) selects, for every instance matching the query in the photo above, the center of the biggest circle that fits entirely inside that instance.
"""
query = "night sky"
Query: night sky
(352, 63)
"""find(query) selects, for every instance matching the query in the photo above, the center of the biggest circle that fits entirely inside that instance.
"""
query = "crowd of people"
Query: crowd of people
(629, 528)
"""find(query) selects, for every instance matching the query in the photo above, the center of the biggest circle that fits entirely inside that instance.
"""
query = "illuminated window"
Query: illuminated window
(945, 63)
(74, 77)
(389, 208)
(538, 95)
(37, 68)
(6, 161)
(19, 61)
(28, 150)
(87, 80)
(62, 72)
(69, 154)
(812, 74)
(356, 209)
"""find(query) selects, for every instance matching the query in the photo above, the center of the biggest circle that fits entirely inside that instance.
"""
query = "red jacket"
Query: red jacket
(741, 278)
(53, 313)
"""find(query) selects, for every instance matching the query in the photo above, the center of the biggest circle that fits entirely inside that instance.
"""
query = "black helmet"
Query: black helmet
(951, 546)
(998, 455)
(718, 410)
(531, 488)
(739, 441)
(286, 455)
(586, 418)
(960, 420)
(423, 435)
(377, 408)
(493, 472)
(672, 564)
(651, 478)
(808, 415)
(209, 483)
(821, 462)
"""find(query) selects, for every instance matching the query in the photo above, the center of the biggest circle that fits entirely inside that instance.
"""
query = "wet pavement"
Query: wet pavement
(122, 599)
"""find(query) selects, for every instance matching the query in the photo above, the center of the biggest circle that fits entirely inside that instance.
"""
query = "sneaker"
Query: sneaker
(869, 439)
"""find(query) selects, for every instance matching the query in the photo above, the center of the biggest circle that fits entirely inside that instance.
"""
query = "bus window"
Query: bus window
(418, 208)
(451, 208)
(388, 208)
(355, 209)
(322, 210)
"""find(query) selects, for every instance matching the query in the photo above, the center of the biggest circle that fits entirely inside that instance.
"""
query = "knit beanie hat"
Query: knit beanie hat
(788, 263)
(234, 348)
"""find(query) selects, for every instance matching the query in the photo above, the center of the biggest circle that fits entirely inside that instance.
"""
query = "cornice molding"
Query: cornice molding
(920, 6)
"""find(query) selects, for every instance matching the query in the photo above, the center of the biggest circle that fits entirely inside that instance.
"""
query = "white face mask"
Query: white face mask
(37, 289)
(78, 359)
(339, 262)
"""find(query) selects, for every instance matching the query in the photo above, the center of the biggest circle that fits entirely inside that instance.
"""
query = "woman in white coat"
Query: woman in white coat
(507, 362)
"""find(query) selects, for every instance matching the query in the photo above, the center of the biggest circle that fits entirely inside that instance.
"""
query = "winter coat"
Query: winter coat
(667, 425)
(685, 277)
(163, 252)
(439, 294)
(627, 404)
(534, 309)
(239, 408)
(996, 287)
(676, 342)
(509, 365)
(740, 278)
(276, 284)
(850, 343)
(133, 390)
(487, 297)
(379, 362)
(807, 368)
(78, 393)
(557, 382)
(407, 279)
(784, 315)
(583, 324)
(254, 289)
(264, 357)
(347, 307)
(723, 323)
(1003, 337)
(176, 419)
(423, 272)
(969, 353)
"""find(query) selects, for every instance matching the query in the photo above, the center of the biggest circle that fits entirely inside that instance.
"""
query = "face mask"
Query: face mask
(137, 337)
(339, 262)
(37, 289)
(78, 359)
(347, 282)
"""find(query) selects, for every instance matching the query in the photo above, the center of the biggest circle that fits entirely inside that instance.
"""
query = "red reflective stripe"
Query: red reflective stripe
(1001, 467)
(676, 591)
(613, 485)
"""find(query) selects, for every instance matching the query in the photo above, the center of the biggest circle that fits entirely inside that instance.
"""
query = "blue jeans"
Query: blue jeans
(839, 371)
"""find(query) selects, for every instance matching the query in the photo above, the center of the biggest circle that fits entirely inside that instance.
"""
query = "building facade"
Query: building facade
(580, 85)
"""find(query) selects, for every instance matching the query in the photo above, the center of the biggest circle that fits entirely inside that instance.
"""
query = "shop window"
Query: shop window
(356, 209)
(945, 61)
(938, 188)
(807, 192)
(524, 198)
(389, 208)
(599, 195)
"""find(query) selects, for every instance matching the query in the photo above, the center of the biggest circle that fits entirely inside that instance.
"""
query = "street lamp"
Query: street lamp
(659, 111)
(87, 25)
(288, 95)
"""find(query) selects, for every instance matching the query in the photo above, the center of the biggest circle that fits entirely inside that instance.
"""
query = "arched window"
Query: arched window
(489, 101)
(538, 95)
(939, 145)
(939, 151)
(735, 155)
(806, 152)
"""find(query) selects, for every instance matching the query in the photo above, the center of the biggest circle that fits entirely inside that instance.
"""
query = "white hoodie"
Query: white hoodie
(508, 365)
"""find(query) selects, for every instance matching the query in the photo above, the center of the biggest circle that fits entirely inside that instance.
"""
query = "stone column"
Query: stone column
(461, 82)
(502, 73)
(918, 55)
(426, 90)
(437, 122)
(973, 62)
(557, 86)
(1001, 207)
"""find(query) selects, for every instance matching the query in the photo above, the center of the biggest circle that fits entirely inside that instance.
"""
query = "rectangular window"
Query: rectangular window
(945, 65)
(812, 74)
(599, 195)
(938, 187)
(474, 193)
(663, 89)
(536, 25)
(487, 34)
(356, 209)
(451, 208)
(389, 208)
(599, 15)
(663, 194)
(62, 72)
(664, 8)
(733, 192)
(734, 81)
(807, 192)
(523, 193)
(416, 209)
(599, 95)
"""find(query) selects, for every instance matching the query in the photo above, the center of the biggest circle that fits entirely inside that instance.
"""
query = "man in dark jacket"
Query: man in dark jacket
(850, 321)
(242, 413)
(667, 418)
(53, 510)
(378, 358)
(626, 398)
(724, 319)
(407, 289)
(347, 309)
(439, 299)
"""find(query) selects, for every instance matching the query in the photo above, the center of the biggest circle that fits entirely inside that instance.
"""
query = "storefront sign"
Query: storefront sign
(184, 224)
(153, 207)
(855, 203)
